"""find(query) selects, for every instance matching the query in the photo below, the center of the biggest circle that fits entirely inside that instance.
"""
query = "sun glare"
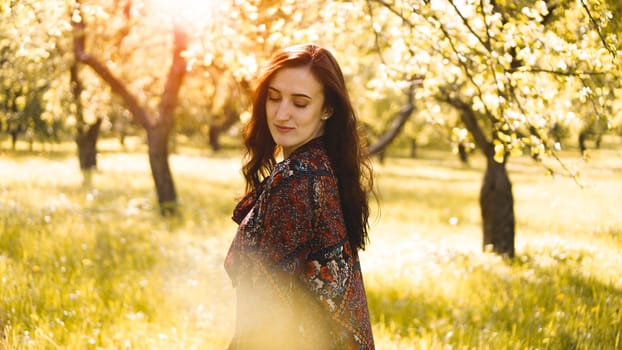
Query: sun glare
(191, 12)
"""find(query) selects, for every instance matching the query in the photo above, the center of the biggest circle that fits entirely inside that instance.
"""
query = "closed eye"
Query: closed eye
(273, 94)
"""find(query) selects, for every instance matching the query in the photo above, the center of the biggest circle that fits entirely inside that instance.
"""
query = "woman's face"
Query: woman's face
(295, 108)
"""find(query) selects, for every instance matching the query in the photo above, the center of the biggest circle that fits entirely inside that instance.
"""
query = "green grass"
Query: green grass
(94, 266)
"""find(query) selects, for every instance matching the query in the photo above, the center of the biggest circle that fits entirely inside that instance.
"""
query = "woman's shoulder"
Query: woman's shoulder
(311, 165)
(306, 167)
(311, 159)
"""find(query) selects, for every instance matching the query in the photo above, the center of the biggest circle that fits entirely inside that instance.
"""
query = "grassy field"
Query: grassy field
(94, 267)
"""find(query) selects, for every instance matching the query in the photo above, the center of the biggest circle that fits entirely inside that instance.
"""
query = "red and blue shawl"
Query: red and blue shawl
(298, 281)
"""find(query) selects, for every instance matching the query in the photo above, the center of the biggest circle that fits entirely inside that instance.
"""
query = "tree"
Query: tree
(506, 67)
(26, 56)
(158, 125)
(86, 135)
(213, 104)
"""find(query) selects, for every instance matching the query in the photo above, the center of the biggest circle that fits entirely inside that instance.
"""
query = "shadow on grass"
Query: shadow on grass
(522, 305)
(421, 201)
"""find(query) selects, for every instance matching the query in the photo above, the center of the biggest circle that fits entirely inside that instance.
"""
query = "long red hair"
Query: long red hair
(345, 148)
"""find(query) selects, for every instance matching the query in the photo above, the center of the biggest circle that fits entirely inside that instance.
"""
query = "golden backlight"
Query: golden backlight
(192, 12)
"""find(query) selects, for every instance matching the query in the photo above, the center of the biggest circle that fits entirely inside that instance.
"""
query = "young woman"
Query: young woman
(294, 259)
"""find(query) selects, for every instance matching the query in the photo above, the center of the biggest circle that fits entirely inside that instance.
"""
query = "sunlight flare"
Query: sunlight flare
(189, 12)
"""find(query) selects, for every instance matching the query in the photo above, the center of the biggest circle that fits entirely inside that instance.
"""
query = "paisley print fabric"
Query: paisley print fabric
(298, 281)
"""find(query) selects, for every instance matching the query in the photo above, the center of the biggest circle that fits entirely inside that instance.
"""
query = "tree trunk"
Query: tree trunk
(582, 139)
(214, 135)
(599, 140)
(86, 141)
(87, 145)
(497, 209)
(463, 154)
(157, 140)
(413, 148)
(158, 132)
(230, 117)
(496, 200)
(13, 140)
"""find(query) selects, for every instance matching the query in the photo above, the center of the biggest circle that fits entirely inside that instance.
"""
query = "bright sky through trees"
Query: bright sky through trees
(191, 12)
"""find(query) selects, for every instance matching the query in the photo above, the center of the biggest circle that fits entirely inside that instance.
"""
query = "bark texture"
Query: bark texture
(497, 207)
(496, 197)
(86, 140)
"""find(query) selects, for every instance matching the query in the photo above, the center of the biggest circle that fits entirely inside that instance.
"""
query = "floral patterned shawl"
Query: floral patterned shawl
(298, 281)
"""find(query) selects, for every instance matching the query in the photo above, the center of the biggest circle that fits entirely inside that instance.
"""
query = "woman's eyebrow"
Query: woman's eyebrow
(302, 95)
(295, 95)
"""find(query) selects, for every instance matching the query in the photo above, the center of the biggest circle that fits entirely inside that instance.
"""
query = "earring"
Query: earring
(325, 116)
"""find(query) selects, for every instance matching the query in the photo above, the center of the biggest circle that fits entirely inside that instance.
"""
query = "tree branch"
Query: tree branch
(76, 92)
(553, 71)
(174, 78)
(611, 50)
(395, 12)
(490, 59)
(398, 123)
(131, 102)
(376, 37)
(469, 119)
(467, 72)
(466, 24)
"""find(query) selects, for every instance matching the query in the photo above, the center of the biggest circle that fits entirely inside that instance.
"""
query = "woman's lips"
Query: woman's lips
(281, 128)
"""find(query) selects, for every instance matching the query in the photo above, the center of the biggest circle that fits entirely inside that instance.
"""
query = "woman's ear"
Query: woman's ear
(327, 112)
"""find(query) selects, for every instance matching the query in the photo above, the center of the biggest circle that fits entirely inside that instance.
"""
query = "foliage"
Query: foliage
(30, 62)
(515, 64)
(84, 267)
(529, 67)
(509, 70)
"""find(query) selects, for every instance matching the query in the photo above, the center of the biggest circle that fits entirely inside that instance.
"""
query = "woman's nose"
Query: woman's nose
(282, 112)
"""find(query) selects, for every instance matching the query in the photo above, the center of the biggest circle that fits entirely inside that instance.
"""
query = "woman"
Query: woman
(294, 259)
